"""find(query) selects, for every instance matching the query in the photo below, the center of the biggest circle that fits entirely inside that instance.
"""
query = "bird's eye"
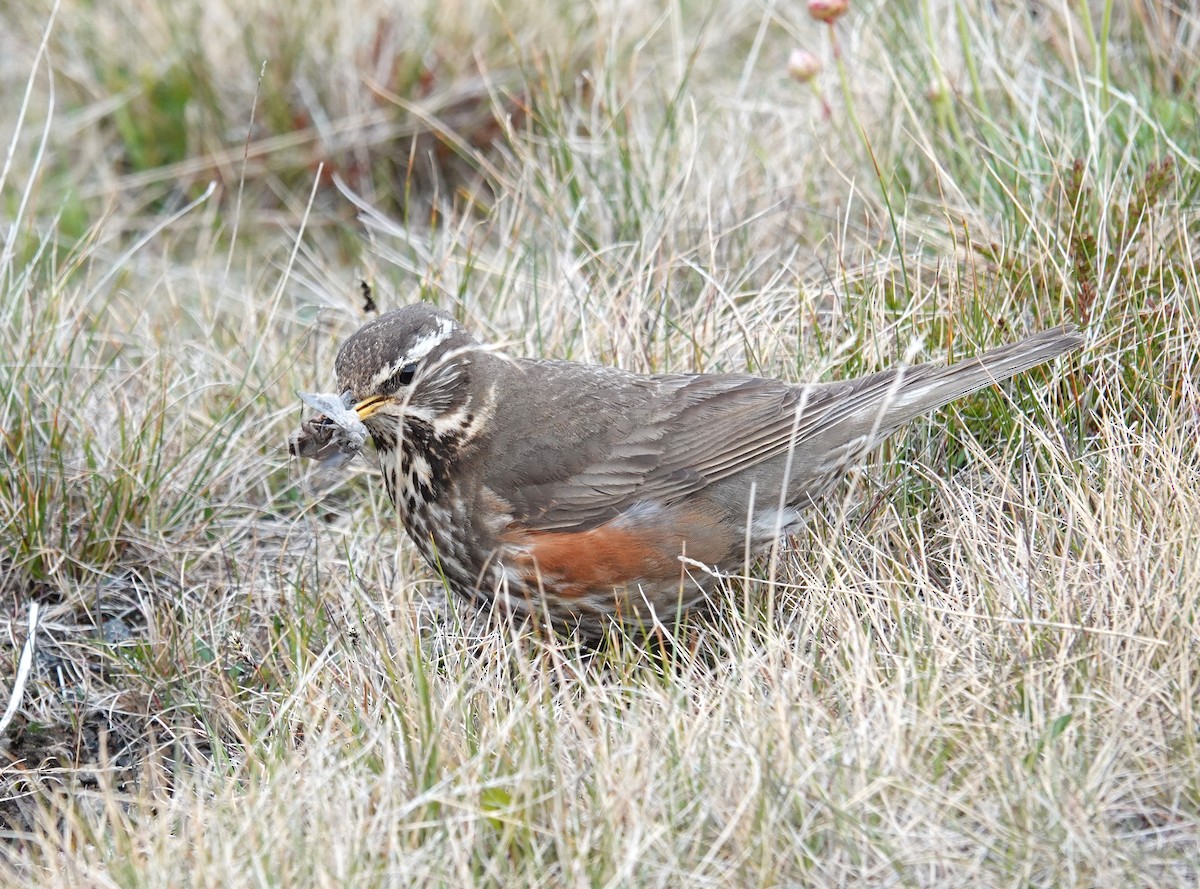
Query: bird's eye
(399, 379)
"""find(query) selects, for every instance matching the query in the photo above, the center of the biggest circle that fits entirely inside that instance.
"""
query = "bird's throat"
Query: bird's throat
(418, 465)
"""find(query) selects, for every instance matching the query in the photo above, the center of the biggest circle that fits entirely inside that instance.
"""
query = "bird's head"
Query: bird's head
(414, 368)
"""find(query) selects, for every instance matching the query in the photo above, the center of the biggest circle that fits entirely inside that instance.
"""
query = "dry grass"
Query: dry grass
(978, 665)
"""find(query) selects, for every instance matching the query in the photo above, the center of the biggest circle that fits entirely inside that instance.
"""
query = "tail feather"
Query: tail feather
(856, 417)
(877, 405)
(919, 390)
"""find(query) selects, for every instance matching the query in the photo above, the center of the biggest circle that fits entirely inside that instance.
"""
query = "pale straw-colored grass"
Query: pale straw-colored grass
(976, 666)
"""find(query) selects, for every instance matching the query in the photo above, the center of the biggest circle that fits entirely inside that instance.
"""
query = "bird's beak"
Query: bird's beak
(369, 405)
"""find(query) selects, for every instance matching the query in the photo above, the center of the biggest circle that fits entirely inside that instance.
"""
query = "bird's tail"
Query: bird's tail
(883, 402)
(918, 390)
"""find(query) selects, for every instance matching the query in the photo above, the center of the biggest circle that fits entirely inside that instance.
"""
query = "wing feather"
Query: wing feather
(667, 437)
(616, 439)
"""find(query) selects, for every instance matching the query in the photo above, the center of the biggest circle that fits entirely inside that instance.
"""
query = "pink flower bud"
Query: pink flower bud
(803, 66)
(828, 11)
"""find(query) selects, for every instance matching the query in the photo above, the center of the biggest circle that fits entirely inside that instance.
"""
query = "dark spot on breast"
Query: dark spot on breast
(438, 453)
(385, 440)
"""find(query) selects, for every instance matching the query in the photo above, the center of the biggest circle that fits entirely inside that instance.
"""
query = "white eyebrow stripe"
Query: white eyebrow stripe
(419, 349)
(430, 341)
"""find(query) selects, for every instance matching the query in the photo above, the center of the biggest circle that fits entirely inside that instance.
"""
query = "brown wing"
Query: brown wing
(606, 439)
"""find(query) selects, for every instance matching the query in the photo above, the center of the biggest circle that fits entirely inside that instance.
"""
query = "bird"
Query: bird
(585, 496)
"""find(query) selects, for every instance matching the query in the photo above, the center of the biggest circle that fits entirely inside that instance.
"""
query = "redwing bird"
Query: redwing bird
(571, 491)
